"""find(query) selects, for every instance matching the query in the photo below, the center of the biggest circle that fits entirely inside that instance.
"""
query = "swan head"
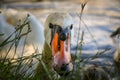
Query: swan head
(58, 28)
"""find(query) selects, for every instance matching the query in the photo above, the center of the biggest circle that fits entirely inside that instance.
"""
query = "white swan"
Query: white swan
(116, 40)
(58, 27)
(33, 43)
(56, 41)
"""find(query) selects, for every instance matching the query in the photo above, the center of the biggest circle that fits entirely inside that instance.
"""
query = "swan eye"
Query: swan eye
(50, 25)
(71, 26)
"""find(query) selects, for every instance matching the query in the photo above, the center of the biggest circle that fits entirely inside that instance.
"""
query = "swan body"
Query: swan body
(8, 27)
(33, 43)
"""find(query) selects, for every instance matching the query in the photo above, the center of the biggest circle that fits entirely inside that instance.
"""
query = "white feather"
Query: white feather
(34, 40)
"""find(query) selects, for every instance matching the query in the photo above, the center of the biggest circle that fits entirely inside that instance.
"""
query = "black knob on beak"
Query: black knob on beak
(62, 36)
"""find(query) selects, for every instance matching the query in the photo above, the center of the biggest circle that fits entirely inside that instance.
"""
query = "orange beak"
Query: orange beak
(61, 57)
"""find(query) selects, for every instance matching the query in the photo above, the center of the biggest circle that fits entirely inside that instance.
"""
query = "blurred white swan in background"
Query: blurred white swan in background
(8, 19)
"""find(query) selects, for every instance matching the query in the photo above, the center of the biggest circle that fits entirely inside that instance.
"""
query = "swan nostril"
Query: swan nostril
(67, 64)
(64, 70)
(64, 67)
